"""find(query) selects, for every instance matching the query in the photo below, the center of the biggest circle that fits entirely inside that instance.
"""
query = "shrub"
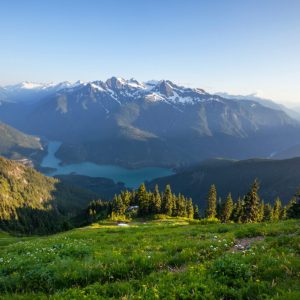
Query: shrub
(207, 221)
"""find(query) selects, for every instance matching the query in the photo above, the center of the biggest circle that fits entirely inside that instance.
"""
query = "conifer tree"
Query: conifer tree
(283, 213)
(237, 213)
(125, 198)
(118, 207)
(143, 200)
(91, 215)
(267, 212)
(211, 210)
(168, 201)
(252, 204)
(190, 208)
(133, 198)
(181, 207)
(174, 206)
(196, 212)
(293, 207)
(151, 203)
(227, 209)
(261, 211)
(276, 210)
(219, 209)
(290, 207)
(157, 200)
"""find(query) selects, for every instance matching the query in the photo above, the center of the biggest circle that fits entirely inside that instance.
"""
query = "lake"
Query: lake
(131, 177)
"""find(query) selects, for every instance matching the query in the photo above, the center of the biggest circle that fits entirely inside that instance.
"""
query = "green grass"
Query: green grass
(163, 259)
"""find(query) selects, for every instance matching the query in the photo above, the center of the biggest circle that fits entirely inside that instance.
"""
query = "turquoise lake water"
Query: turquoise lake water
(131, 177)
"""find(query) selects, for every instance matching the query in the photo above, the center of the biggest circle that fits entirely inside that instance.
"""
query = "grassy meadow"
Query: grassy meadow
(163, 259)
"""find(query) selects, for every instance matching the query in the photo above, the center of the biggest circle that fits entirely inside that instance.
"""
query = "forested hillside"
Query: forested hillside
(33, 203)
(278, 178)
(16, 145)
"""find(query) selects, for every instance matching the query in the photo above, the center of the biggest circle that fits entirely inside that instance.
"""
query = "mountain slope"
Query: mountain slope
(33, 203)
(290, 152)
(16, 145)
(293, 113)
(137, 124)
(277, 177)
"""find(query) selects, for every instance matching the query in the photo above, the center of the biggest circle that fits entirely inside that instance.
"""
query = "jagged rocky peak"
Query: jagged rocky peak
(115, 83)
(165, 88)
(121, 83)
(134, 81)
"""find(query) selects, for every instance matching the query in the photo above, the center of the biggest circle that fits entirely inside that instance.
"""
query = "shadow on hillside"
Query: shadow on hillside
(34, 221)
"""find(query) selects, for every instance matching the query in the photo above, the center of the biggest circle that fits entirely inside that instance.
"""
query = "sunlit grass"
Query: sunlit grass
(162, 259)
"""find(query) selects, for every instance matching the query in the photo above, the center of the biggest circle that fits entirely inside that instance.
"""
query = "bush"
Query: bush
(207, 221)
(161, 217)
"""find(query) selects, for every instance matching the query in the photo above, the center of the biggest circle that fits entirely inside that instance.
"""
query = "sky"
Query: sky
(234, 46)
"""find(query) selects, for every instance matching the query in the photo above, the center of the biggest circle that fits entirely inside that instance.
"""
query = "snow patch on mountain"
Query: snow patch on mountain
(120, 90)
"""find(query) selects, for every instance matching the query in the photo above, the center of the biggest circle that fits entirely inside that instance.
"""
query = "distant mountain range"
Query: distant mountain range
(135, 124)
(293, 113)
(31, 92)
(278, 178)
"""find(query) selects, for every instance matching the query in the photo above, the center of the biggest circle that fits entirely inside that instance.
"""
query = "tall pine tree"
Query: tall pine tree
(267, 212)
(143, 200)
(276, 210)
(238, 209)
(118, 207)
(196, 212)
(190, 208)
(211, 210)
(168, 201)
(227, 209)
(157, 200)
(252, 204)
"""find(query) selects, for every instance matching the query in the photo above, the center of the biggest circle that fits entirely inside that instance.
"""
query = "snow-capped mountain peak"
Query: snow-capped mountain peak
(122, 90)
(117, 88)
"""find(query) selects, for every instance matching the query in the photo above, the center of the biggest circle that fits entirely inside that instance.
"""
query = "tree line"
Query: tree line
(143, 203)
(250, 208)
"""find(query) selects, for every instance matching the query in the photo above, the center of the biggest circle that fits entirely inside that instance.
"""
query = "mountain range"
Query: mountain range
(156, 123)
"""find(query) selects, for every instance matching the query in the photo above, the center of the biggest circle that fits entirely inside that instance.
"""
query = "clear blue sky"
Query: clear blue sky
(238, 46)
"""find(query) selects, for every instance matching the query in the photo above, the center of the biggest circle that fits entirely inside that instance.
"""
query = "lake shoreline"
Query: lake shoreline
(132, 177)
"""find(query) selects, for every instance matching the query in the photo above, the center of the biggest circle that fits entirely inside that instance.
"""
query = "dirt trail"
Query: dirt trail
(245, 243)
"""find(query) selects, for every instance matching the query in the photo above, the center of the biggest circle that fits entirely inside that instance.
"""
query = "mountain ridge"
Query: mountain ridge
(131, 123)
(15, 144)
(278, 178)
